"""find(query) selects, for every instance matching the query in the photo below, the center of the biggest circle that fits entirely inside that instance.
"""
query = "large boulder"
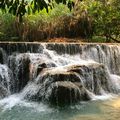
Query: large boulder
(70, 84)
(44, 87)
(93, 77)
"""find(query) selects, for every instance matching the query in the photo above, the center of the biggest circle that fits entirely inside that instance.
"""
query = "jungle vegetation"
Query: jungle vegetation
(38, 20)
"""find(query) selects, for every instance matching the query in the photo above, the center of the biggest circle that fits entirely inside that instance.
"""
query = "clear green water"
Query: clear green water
(93, 110)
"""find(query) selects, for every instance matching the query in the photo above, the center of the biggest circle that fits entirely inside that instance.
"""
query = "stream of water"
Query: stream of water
(87, 77)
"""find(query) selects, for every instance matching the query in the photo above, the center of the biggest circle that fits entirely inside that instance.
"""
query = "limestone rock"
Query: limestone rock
(70, 84)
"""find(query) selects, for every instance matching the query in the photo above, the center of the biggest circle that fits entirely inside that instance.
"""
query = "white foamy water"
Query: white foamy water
(5, 79)
(115, 80)
(10, 102)
(104, 96)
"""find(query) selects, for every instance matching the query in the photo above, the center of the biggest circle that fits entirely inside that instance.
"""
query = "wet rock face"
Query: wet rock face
(65, 93)
(94, 77)
(19, 65)
(5, 81)
(17, 47)
(41, 67)
(57, 87)
(65, 48)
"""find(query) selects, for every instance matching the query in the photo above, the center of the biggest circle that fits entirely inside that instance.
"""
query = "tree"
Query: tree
(106, 18)
(20, 7)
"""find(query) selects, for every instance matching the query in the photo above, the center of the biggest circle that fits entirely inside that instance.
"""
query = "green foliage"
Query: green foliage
(38, 26)
(104, 16)
(6, 28)
(98, 20)
(20, 7)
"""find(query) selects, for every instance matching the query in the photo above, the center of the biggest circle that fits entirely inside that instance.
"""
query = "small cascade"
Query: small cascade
(19, 47)
(59, 73)
(109, 55)
(5, 81)
(19, 65)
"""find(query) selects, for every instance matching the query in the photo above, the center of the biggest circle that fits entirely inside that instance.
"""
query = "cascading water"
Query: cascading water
(58, 74)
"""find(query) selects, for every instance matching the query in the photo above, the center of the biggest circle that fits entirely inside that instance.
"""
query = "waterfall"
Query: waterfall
(5, 81)
(59, 73)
